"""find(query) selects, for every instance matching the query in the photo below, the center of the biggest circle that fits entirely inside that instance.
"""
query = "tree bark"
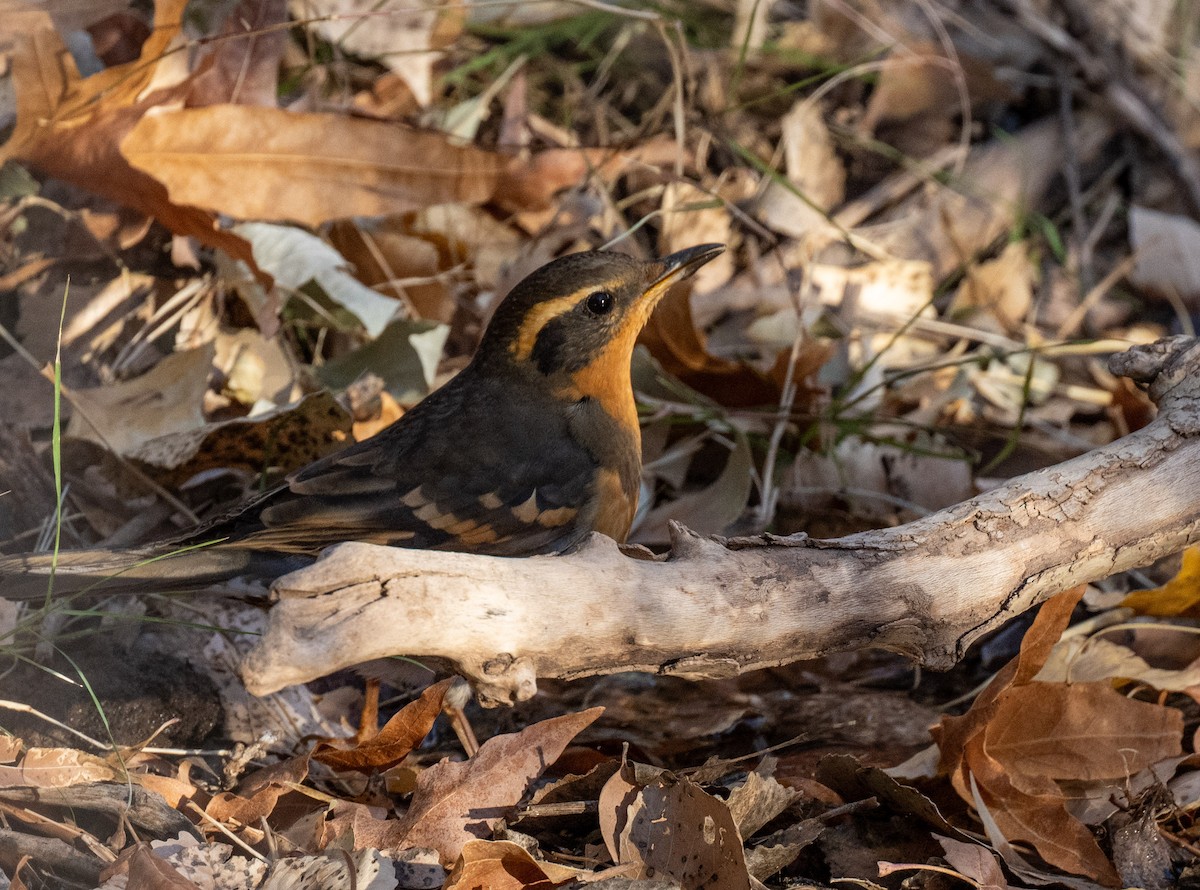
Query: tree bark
(927, 589)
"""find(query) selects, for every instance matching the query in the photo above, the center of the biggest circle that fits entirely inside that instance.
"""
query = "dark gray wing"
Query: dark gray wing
(474, 467)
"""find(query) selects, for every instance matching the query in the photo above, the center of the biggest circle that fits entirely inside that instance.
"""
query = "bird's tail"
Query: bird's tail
(146, 570)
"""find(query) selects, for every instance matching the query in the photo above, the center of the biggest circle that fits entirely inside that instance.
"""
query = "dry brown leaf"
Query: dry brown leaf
(467, 234)
(1002, 287)
(56, 768)
(673, 828)
(1021, 737)
(269, 164)
(975, 862)
(709, 510)
(257, 370)
(530, 183)
(503, 865)
(1078, 731)
(142, 867)
(953, 733)
(70, 127)
(258, 793)
(1000, 182)
(616, 797)
(457, 802)
(287, 439)
(386, 257)
(923, 472)
(173, 789)
(11, 748)
(345, 820)
(918, 79)
(673, 339)
(1039, 816)
(394, 742)
(1083, 659)
(759, 799)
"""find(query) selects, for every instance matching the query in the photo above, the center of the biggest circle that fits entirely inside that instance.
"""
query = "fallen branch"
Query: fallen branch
(927, 589)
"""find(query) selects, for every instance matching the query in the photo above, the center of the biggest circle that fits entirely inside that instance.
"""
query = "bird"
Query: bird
(528, 450)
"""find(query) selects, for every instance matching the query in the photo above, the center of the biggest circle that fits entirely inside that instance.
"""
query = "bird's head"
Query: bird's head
(583, 312)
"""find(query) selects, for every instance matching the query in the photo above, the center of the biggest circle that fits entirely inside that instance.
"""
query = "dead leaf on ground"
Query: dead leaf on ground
(270, 164)
(56, 768)
(1021, 737)
(975, 862)
(145, 869)
(918, 475)
(385, 257)
(164, 401)
(816, 176)
(405, 355)
(672, 338)
(296, 257)
(70, 127)
(457, 802)
(1001, 287)
(670, 826)
(1084, 659)
(710, 510)
(503, 865)
(530, 183)
(258, 793)
(286, 439)
(946, 226)
(759, 799)
(399, 736)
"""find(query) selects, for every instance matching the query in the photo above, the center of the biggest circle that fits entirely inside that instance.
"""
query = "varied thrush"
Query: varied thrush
(530, 448)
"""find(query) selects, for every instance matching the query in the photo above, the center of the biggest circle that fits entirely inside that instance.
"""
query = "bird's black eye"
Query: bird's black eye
(600, 303)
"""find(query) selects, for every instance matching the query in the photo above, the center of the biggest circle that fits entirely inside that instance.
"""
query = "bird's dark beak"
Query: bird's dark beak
(679, 265)
(666, 272)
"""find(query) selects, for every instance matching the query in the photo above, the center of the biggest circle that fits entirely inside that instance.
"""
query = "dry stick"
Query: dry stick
(720, 608)
(195, 808)
(63, 830)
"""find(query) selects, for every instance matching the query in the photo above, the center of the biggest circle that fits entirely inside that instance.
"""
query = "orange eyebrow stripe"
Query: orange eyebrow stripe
(540, 316)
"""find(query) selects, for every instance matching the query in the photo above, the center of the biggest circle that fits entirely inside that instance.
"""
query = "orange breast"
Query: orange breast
(617, 505)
